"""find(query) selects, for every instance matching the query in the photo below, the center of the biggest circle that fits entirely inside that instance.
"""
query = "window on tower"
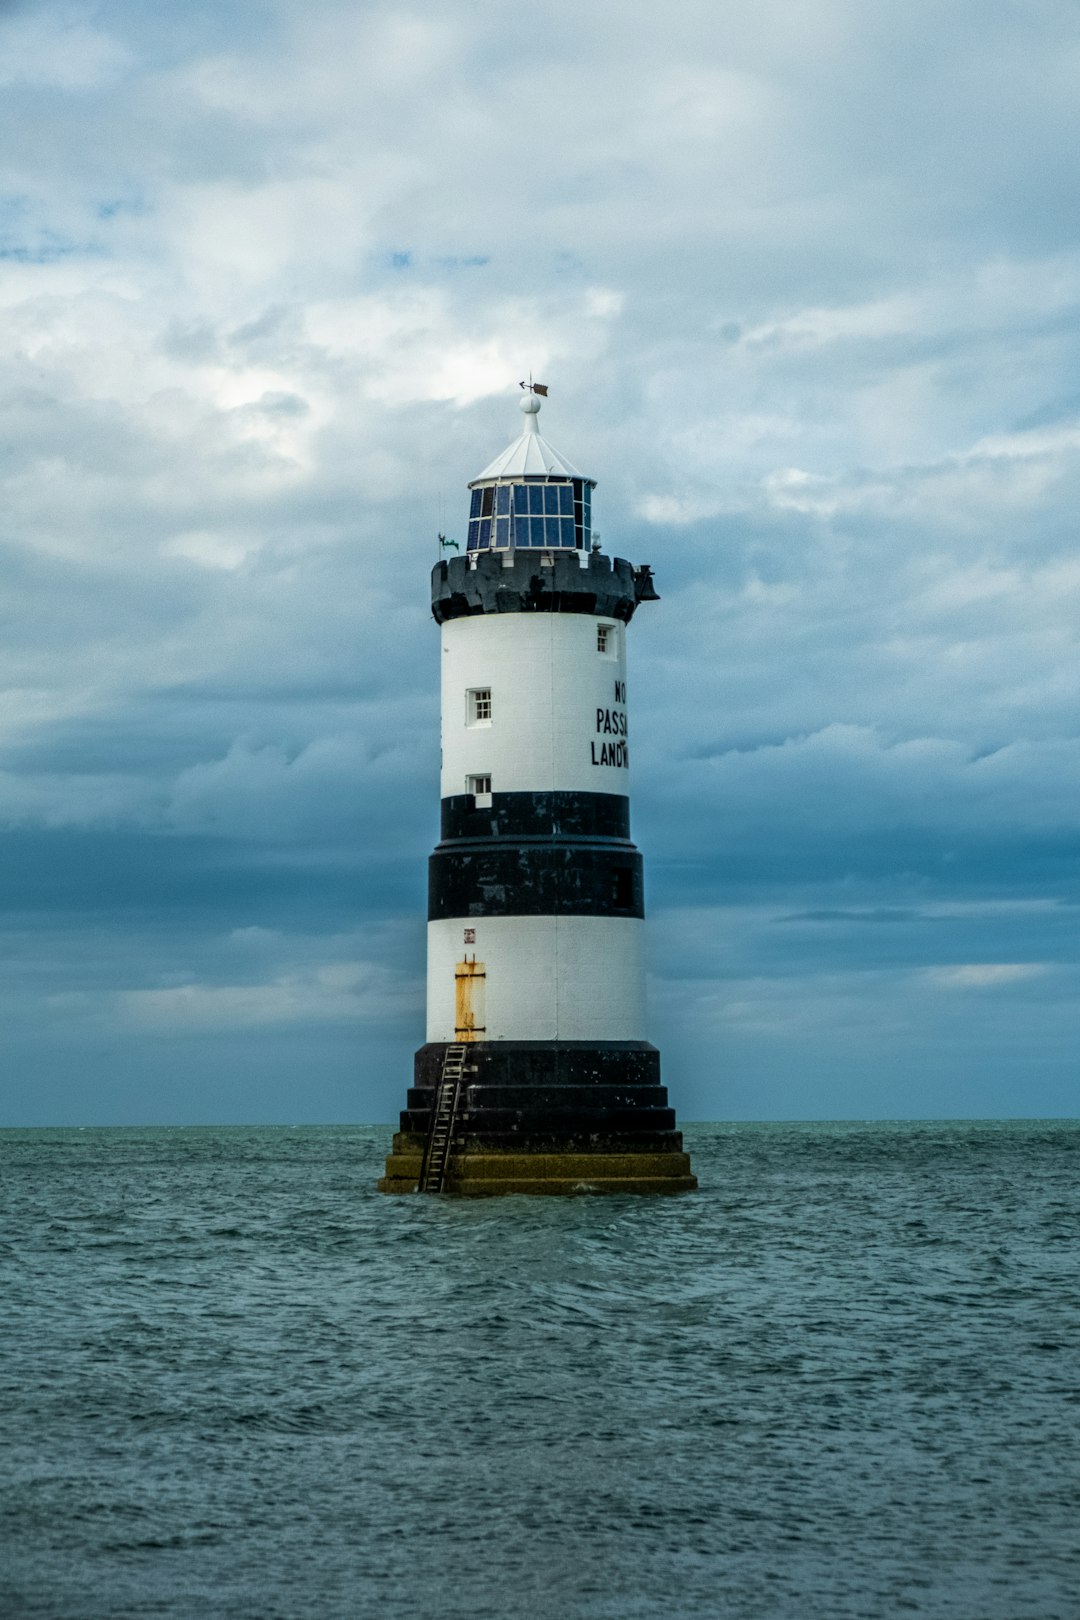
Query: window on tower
(480, 788)
(478, 706)
(605, 640)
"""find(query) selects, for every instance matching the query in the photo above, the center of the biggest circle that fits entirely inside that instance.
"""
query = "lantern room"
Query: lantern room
(530, 496)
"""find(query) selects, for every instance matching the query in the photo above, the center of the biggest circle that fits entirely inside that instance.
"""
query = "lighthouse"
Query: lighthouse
(536, 1075)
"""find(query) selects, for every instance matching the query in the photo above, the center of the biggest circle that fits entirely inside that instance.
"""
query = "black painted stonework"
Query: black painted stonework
(546, 1100)
(536, 855)
(547, 1063)
(519, 582)
(549, 879)
(552, 1094)
(538, 815)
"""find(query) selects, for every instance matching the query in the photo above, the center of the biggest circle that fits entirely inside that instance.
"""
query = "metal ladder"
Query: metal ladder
(441, 1130)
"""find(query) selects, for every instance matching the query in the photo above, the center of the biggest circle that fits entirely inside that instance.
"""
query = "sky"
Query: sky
(803, 278)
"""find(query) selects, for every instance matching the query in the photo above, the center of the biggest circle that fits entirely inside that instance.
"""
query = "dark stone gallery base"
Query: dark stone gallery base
(547, 1117)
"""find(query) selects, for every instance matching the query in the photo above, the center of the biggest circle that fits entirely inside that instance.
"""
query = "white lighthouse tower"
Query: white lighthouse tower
(536, 1075)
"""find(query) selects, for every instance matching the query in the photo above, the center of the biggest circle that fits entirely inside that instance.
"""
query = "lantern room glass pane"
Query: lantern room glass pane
(535, 513)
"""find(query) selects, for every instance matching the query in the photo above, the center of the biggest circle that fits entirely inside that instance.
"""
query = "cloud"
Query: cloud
(362, 993)
(984, 975)
(59, 801)
(325, 790)
(59, 49)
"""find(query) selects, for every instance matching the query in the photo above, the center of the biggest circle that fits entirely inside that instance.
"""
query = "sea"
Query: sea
(842, 1379)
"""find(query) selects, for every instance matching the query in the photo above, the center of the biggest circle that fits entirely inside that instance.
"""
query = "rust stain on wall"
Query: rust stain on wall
(469, 983)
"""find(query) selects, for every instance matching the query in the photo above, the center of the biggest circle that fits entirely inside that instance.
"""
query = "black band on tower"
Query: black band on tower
(569, 878)
(537, 815)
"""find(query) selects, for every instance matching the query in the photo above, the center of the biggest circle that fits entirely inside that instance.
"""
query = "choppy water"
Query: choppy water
(842, 1380)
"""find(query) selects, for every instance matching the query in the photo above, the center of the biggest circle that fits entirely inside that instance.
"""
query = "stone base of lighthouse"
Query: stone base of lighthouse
(547, 1117)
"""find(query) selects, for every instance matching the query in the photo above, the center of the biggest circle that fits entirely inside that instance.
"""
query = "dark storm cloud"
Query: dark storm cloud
(805, 282)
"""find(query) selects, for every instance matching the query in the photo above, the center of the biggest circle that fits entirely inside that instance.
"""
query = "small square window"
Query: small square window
(605, 639)
(480, 788)
(478, 706)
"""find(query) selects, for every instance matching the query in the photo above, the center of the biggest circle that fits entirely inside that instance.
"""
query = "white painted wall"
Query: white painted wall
(548, 978)
(547, 683)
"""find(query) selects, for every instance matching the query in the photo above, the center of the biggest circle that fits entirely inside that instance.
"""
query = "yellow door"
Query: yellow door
(469, 980)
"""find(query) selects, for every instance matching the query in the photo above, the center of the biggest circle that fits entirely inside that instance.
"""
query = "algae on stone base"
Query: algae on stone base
(478, 1171)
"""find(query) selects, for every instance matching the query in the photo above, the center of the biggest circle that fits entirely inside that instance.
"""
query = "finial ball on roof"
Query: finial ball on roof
(529, 404)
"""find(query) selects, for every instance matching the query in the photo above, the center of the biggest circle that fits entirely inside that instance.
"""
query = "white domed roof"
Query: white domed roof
(530, 455)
